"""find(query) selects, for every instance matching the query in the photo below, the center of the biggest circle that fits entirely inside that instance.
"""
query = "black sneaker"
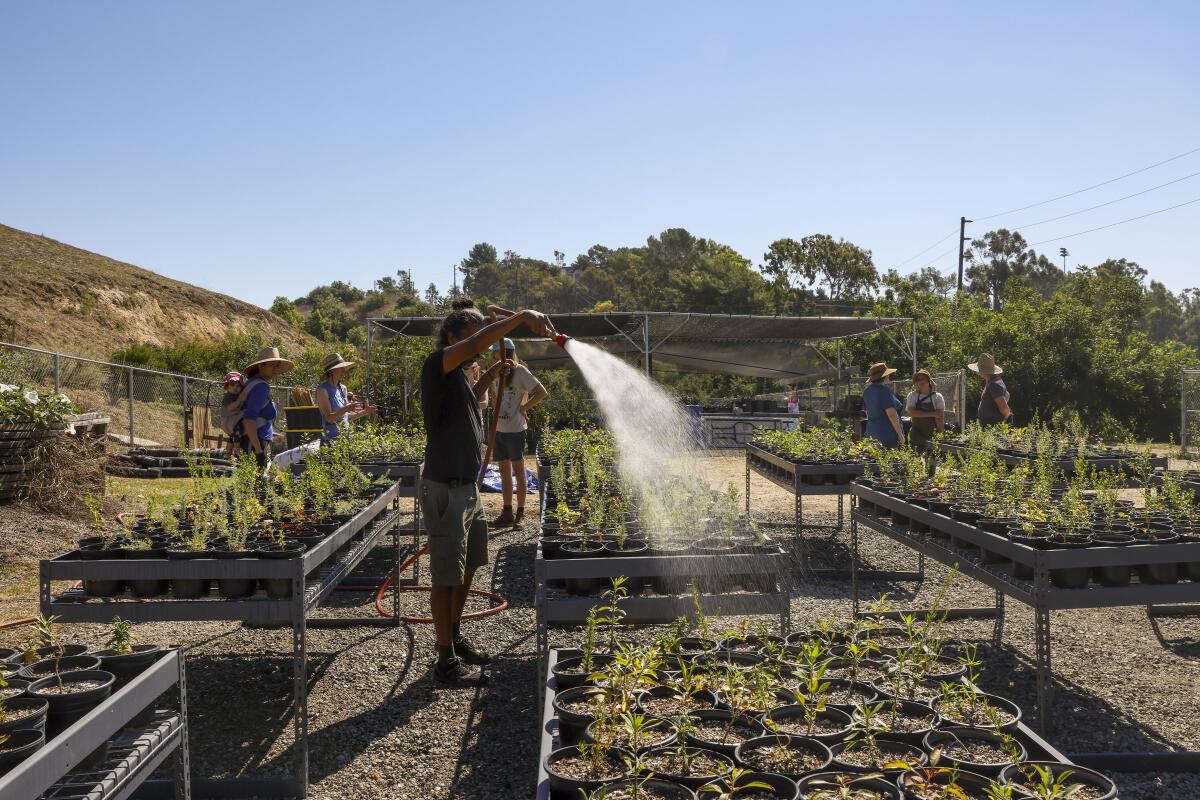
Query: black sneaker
(456, 673)
(504, 520)
(469, 654)
(520, 516)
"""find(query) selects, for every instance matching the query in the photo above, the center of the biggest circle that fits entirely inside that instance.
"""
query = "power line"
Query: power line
(1102, 205)
(1089, 188)
(926, 250)
(1121, 222)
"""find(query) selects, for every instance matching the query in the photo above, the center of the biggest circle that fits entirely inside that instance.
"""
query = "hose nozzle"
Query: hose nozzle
(560, 339)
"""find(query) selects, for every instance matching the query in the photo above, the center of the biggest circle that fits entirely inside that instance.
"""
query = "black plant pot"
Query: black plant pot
(831, 781)
(189, 588)
(280, 588)
(572, 724)
(127, 666)
(896, 750)
(567, 676)
(1116, 574)
(723, 717)
(48, 666)
(745, 750)
(783, 788)
(106, 587)
(661, 788)
(565, 787)
(33, 717)
(146, 587)
(1089, 777)
(789, 721)
(1160, 573)
(583, 549)
(1070, 577)
(20, 746)
(235, 588)
(948, 736)
(696, 781)
(65, 709)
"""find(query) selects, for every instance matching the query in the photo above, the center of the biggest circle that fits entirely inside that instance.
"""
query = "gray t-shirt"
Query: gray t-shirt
(989, 413)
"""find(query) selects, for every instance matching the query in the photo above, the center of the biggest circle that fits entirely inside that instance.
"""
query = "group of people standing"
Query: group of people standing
(925, 405)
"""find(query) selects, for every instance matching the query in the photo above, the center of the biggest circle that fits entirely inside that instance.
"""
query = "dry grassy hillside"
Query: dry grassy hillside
(59, 297)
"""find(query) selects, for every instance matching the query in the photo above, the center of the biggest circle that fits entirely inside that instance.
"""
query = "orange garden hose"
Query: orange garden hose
(387, 584)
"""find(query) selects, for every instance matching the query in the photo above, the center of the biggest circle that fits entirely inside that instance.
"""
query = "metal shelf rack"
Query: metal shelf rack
(1064, 465)
(133, 755)
(1038, 593)
(313, 577)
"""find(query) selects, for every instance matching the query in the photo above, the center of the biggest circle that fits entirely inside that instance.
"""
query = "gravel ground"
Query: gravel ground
(380, 728)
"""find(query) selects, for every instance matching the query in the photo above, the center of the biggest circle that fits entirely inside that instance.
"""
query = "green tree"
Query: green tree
(286, 310)
(316, 325)
(1002, 255)
(841, 271)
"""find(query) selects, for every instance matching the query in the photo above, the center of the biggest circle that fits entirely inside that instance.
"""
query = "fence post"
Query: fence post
(57, 375)
(962, 399)
(186, 443)
(1183, 415)
(131, 406)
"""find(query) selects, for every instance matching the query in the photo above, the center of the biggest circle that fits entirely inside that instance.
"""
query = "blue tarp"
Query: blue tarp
(491, 479)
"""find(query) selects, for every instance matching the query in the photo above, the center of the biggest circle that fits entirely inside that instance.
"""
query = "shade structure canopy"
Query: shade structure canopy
(785, 348)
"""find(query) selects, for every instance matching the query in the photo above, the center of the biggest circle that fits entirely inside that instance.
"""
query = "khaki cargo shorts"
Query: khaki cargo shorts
(457, 530)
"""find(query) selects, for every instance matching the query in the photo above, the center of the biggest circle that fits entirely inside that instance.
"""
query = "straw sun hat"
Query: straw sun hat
(878, 372)
(268, 355)
(334, 361)
(985, 364)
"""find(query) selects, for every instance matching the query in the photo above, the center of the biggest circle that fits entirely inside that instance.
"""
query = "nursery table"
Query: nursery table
(557, 608)
(135, 750)
(1039, 749)
(1038, 592)
(313, 576)
(793, 477)
(1064, 465)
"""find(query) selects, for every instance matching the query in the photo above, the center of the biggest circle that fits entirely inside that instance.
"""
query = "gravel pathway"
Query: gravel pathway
(380, 728)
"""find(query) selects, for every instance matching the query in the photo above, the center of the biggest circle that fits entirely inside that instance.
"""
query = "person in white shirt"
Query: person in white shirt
(926, 408)
(522, 392)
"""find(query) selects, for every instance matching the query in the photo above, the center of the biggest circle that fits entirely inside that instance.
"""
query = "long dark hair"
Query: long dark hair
(464, 314)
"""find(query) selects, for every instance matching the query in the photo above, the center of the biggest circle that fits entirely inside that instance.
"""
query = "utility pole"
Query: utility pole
(1062, 251)
(453, 281)
(962, 239)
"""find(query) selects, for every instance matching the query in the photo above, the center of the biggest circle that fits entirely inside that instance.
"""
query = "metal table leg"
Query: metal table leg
(998, 627)
(747, 486)
(854, 565)
(300, 684)
(181, 763)
(1041, 626)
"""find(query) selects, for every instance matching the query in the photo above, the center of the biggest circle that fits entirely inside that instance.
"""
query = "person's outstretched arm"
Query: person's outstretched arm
(460, 353)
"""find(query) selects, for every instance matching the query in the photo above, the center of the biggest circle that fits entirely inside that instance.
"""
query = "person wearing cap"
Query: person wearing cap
(259, 408)
(231, 417)
(522, 392)
(882, 407)
(337, 409)
(993, 403)
(926, 407)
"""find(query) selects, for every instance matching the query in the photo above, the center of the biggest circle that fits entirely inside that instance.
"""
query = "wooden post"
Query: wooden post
(487, 453)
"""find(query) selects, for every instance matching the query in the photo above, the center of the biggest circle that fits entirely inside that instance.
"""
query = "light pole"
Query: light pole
(1062, 251)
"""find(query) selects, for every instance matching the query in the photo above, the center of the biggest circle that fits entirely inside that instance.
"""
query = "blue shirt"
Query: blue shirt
(337, 400)
(877, 399)
(260, 408)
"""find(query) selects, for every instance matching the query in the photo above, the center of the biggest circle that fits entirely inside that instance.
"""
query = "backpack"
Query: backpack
(230, 420)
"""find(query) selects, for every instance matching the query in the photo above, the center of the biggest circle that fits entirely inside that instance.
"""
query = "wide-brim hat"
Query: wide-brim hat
(878, 372)
(268, 355)
(334, 361)
(985, 364)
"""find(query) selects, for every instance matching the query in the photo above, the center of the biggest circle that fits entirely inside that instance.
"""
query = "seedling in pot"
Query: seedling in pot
(737, 783)
(595, 756)
(1042, 784)
(842, 787)
(120, 641)
(613, 613)
(589, 639)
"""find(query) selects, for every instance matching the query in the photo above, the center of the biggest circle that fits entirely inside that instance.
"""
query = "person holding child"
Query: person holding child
(258, 407)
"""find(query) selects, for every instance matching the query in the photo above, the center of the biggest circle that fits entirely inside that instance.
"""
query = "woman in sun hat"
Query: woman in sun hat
(926, 407)
(337, 409)
(993, 403)
(882, 407)
(259, 408)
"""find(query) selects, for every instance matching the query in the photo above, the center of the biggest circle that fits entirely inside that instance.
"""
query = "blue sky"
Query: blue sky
(263, 148)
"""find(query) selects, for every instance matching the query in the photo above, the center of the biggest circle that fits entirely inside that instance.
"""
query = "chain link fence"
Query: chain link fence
(1189, 412)
(148, 407)
(844, 398)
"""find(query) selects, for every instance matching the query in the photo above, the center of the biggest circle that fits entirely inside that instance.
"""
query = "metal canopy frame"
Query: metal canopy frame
(359, 535)
(625, 324)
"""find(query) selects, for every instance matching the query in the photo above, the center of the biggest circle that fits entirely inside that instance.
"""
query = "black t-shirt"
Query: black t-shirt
(453, 424)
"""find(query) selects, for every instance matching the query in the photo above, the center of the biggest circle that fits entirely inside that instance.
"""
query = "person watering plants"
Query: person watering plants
(993, 403)
(259, 409)
(450, 500)
(926, 408)
(337, 409)
(522, 392)
(882, 407)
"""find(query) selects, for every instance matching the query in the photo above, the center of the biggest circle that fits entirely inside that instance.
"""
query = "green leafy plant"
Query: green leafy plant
(120, 640)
